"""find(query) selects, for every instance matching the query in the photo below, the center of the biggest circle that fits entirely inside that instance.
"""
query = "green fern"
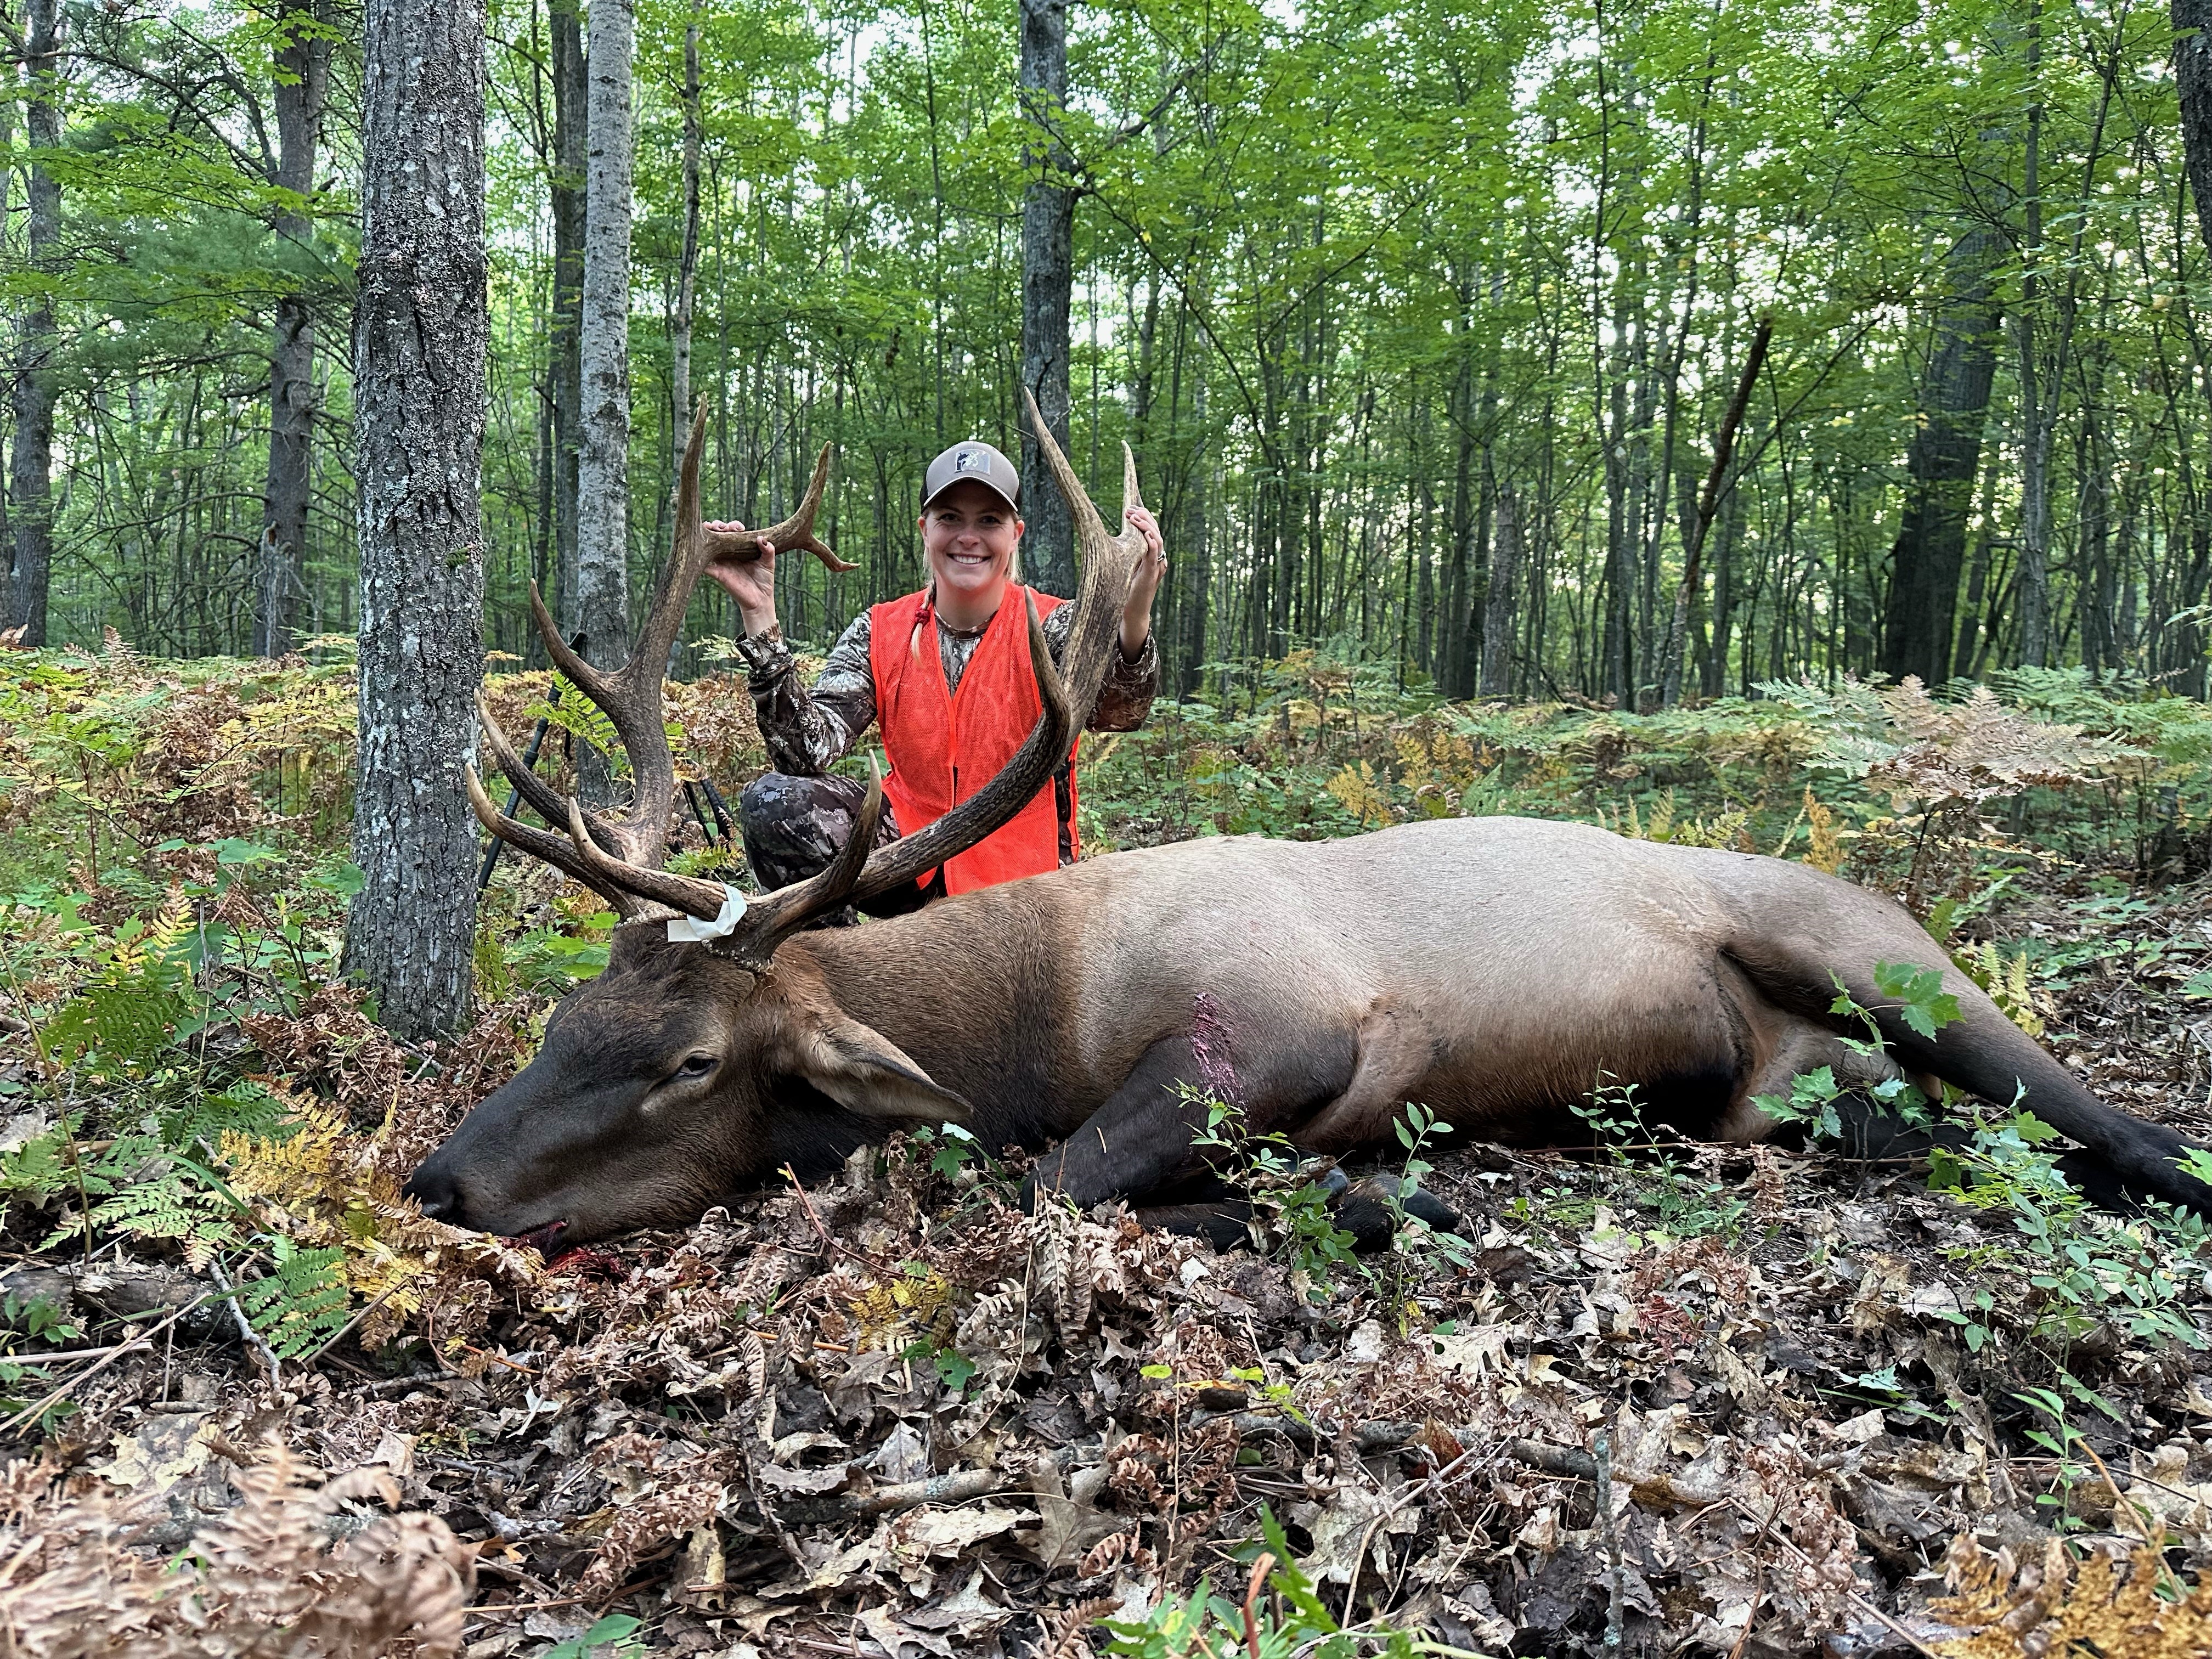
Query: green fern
(569, 711)
(301, 1303)
(141, 1001)
(43, 1167)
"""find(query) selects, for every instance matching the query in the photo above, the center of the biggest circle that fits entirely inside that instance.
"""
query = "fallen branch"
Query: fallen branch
(37, 1409)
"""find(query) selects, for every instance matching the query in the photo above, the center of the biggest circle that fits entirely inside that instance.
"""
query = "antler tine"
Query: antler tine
(543, 844)
(1121, 551)
(544, 799)
(581, 675)
(687, 563)
(798, 530)
(686, 894)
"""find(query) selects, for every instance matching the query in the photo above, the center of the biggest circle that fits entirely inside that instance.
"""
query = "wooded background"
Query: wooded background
(1421, 320)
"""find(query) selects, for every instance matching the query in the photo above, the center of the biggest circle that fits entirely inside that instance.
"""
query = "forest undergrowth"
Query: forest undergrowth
(1655, 1398)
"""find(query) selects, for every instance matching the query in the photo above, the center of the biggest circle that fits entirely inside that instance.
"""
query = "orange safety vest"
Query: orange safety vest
(945, 745)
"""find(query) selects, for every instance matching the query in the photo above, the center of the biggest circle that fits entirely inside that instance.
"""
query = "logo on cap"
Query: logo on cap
(971, 460)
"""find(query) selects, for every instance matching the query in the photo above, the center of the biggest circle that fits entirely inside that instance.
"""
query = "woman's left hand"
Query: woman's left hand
(1137, 613)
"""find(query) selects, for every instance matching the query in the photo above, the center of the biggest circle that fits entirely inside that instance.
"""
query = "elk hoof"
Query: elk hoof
(1366, 1213)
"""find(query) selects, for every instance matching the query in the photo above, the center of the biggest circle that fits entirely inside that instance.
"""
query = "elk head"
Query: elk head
(686, 1071)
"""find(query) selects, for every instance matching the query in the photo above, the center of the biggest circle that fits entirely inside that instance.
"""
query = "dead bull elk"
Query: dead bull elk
(1492, 968)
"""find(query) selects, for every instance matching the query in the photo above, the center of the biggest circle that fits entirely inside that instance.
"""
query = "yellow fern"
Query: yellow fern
(2005, 979)
(2035, 1609)
(1827, 851)
(1364, 795)
(324, 1187)
(919, 1305)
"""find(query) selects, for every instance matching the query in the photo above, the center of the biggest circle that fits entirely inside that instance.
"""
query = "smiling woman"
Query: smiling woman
(960, 707)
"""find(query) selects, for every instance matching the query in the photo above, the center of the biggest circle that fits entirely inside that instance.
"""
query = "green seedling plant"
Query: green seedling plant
(1282, 1616)
(2060, 1440)
(1665, 1181)
(2087, 1267)
(1416, 1248)
(1293, 1215)
(613, 1637)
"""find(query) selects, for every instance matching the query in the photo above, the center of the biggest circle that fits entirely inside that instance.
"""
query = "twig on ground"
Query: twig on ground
(252, 1338)
(823, 1232)
(1758, 1579)
(37, 1409)
(1859, 1603)
(1602, 1453)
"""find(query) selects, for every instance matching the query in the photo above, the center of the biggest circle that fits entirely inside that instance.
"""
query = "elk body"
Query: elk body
(1496, 970)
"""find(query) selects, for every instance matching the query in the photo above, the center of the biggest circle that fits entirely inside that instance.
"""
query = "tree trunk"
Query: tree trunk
(2039, 414)
(1708, 501)
(1048, 280)
(301, 90)
(2193, 74)
(1191, 569)
(1499, 597)
(30, 469)
(603, 468)
(1944, 454)
(687, 270)
(420, 337)
(565, 366)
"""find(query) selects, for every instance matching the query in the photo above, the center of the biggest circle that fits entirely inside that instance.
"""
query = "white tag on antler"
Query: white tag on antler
(681, 929)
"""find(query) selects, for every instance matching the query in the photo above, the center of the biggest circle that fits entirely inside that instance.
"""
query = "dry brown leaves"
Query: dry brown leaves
(265, 1579)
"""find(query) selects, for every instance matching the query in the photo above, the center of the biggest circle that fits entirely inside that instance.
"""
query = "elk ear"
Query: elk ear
(865, 1071)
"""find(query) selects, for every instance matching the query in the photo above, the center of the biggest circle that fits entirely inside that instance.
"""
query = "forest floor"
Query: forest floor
(1662, 1398)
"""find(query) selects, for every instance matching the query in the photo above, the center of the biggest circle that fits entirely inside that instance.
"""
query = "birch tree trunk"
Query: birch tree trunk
(1498, 606)
(30, 469)
(1047, 280)
(603, 468)
(565, 366)
(301, 93)
(421, 332)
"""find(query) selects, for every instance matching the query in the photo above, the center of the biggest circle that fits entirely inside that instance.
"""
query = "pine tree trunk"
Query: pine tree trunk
(565, 366)
(30, 469)
(1048, 282)
(603, 471)
(2039, 413)
(421, 332)
(1945, 454)
(301, 89)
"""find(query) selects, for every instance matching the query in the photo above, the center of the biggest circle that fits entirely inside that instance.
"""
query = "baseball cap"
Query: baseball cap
(973, 459)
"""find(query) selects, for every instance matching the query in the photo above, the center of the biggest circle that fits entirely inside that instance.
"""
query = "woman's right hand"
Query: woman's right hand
(744, 564)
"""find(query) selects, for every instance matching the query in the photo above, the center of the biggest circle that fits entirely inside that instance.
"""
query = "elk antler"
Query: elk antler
(796, 531)
(1069, 693)
(619, 856)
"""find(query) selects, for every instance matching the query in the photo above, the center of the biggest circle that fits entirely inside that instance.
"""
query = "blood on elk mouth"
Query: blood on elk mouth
(541, 1238)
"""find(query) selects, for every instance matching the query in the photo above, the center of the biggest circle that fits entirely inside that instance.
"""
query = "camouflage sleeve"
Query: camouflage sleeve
(806, 732)
(1131, 684)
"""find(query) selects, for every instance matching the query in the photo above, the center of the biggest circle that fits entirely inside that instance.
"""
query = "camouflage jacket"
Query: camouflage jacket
(807, 731)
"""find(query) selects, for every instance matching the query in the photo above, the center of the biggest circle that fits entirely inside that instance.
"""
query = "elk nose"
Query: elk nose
(435, 1191)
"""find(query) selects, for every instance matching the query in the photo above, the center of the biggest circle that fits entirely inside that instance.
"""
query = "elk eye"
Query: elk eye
(696, 1065)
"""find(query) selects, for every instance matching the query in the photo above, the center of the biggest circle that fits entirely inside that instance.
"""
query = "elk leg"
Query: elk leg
(1143, 1137)
(1986, 1055)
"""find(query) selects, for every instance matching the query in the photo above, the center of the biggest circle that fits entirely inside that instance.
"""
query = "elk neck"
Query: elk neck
(978, 990)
